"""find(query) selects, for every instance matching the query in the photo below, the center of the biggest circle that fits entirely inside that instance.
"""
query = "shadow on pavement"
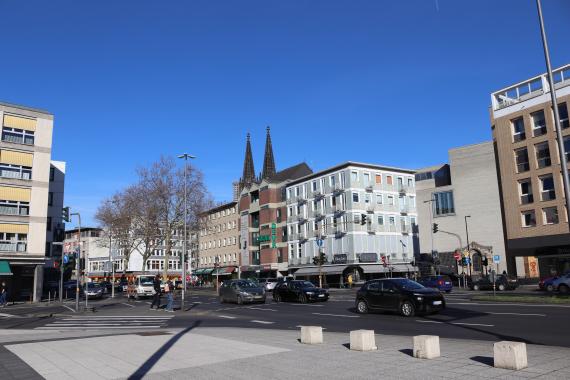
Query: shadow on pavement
(150, 362)
(484, 360)
(407, 351)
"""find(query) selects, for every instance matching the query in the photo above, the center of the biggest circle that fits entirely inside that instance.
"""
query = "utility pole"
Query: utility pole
(185, 156)
(468, 247)
(112, 260)
(563, 163)
(78, 268)
(60, 270)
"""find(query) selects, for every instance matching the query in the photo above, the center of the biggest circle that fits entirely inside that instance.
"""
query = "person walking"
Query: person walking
(156, 296)
(3, 295)
(169, 290)
(350, 281)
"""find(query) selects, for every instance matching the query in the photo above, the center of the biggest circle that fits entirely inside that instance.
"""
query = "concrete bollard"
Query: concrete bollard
(311, 334)
(426, 347)
(510, 355)
(362, 340)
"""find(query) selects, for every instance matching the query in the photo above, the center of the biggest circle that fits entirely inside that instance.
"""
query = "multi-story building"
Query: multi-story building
(25, 153)
(218, 242)
(94, 250)
(359, 215)
(262, 212)
(462, 198)
(55, 225)
(530, 174)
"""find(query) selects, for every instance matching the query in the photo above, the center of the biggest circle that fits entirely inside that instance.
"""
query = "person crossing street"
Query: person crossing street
(157, 290)
(169, 290)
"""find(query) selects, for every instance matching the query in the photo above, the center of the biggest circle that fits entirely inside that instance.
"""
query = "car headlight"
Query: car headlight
(245, 294)
(310, 293)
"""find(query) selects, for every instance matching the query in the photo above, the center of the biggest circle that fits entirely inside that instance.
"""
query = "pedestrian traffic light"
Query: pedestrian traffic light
(363, 219)
(65, 214)
(435, 228)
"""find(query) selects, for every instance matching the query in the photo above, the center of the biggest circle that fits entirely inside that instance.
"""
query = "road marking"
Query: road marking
(126, 304)
(67, 307)
(424, 321)
(523, 314)
(120, 316)
(260, 308)
(338, 315)
(490, 303)
(303, 304)
(262, 322)
(471, 324)
(95, 327)
(226, 316)
(7, 315)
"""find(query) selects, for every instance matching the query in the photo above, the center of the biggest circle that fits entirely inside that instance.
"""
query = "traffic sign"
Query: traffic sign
(457, 256)
(65, 259)
(319, 242)
(467, 260)
(497, 258)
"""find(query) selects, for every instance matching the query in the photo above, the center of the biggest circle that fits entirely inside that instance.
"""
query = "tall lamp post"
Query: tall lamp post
(78, 268)
(60, 244)
(468, 247)
(429, 202)
(560, 139)
(185, 156)
(112, 260)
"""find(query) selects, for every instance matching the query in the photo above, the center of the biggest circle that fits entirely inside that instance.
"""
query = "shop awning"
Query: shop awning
(5, 268)
(208, 270)
(314, 271)
(373, 268)
(223, 271)
(198, 271)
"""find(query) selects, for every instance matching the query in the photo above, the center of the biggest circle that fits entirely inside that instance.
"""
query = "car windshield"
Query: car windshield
(93, 286)
(246, 284)
(146, 280)
(407, 284)
(306, 284)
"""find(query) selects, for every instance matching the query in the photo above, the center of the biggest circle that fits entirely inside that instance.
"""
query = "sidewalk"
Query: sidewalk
(221, 353)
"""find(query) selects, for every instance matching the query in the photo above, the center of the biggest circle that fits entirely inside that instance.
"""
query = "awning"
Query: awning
(20, 122)
(16, 158)
(326, 270)
(8, 193)
(14, 228)
(208, 270)
(223, 271)
(5, 268)
(373, 268)
(198, 271)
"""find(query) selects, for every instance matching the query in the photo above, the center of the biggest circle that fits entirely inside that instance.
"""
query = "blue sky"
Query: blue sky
(387, 82)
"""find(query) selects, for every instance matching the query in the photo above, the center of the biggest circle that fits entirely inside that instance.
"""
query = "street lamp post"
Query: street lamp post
(78, 268)
(112, 260)
(185, 156)
(468, 247)
(429, 202)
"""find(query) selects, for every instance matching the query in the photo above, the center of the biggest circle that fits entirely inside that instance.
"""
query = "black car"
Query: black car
(502, 282)
(301, 291)
(107, 286)
(398, 294)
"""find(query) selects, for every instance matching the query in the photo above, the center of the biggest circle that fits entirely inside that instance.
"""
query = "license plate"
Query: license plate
(437, 302)
(447, 283)
(321, 295)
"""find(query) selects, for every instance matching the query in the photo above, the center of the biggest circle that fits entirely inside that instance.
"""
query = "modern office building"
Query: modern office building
(462, 198)
(25, 154)
(362, 216)
(218, 242)
(55, 225)
(262, 212)
(536, 223)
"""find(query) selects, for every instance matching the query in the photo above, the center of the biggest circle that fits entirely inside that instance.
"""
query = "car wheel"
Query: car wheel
(549, 288)
(476, 287)
(303, 298)
(277, 297)
(564, 289)
(502, 287)
(362, 307)
(407, 309)
(239, 300)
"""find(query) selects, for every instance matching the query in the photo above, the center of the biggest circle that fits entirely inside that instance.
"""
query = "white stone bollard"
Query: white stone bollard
(510, 355)
(311, 334)
(426, 347)
(362, 340)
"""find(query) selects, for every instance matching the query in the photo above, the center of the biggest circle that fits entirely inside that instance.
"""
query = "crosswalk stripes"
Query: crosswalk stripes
(107, 322)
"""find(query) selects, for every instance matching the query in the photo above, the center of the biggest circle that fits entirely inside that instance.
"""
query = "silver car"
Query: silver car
(241, 291)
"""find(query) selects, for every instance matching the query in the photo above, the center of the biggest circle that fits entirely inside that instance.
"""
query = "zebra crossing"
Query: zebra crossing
(108, 322)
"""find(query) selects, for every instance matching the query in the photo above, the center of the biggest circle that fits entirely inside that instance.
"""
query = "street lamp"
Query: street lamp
(429, 201)
(78, 268)
(468, 248)
(185, 156)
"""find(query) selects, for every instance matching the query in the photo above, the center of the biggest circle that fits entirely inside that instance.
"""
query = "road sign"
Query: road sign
(320, 242)
(497, 258)
(467, 260)
(457, 256)
(65, 259)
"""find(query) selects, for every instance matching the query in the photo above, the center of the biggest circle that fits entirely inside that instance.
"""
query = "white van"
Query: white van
(143, 287)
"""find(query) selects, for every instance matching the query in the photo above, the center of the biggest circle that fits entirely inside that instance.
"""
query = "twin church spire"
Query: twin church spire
(248, 176)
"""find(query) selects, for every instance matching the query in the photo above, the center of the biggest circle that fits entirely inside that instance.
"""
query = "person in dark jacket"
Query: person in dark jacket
(156, 297)
(3, 295)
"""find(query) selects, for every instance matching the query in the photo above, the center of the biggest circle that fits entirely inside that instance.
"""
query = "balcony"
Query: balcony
(405, 229)
(292, 237)
(370, 208)
(338, 210)
(303, 237)
(291, 218)
(369, 188)
(301, 200)
(403, 189)
(8, 246)
(371, 229)
(338, 188)
(301, 219)
(317, 195)
(339, 232)
(292, 200)
(404, 209)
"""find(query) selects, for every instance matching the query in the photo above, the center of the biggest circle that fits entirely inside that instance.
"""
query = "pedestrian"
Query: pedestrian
(131, 291)
(156, 296)
(3, 295)
(169, 290)
(350, 281)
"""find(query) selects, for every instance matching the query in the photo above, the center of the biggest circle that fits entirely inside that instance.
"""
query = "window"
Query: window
(379, 199)
(410, 182)
(353, 177)
(389, 180)
(367, 199)
(443, 204)
(48, 224)
(380, 220)
(563, 114)
(355, 197)
(15, 171)
(314, 185)
(392, 220)
(567, 147)
(542, 155)
(366, 178)
(378, 178)
(518, 129)
(14, 208)
(332, 181)
(51, 174)
(538, 123)
(550, 215)
(547, 191)
(521, 160)
(18, 136)
(390, 200)
(525, 189)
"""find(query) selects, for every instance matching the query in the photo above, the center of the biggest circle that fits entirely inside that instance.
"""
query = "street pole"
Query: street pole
(185, 156)
(468, 247)
(60, 270)
(78, 268)
(111, 259)
(563, 163)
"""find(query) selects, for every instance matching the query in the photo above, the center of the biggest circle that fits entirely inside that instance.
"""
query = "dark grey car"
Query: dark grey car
(241, 291)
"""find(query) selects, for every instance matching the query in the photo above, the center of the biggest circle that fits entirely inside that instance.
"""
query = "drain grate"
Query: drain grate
(153, 333)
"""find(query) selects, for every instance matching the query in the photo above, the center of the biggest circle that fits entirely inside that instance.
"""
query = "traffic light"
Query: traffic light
(435, 228)
(484, 261)
(323, 258)
(363, 219)
(384, 263)
(65, 214)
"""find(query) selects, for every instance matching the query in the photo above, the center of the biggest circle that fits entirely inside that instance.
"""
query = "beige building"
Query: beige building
(25, 153)
(218, 241)
(535, 219)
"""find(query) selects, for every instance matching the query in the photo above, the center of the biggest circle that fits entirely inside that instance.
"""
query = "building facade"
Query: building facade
(218, 242)
(25, 154)
(463, 199)
(536, 223)
(360, 215)
(55, 224)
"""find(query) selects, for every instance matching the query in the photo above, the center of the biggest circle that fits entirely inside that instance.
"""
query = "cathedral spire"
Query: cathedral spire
(268, 161)
(248, 176)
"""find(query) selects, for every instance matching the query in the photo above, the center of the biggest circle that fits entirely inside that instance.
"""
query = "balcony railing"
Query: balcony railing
(293, 236)
(301, 219)
(405, 229)
(371, 208)
(291, 200)
(404, 209)
(403, 188)
(13, 247)
(338, 188)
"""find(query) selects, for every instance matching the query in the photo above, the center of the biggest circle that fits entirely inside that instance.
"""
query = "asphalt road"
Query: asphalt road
(463, 319)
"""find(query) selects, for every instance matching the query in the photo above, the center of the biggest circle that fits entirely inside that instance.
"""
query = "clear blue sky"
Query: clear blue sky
(390, 82)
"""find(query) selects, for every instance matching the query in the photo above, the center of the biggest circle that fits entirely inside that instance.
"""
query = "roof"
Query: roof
(351, 163)
(84, 229)
(219, 207)
(292, 173)
(25, 108)
(431, 168)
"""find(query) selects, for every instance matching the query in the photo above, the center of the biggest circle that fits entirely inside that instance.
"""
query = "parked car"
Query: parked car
(268, 283)
(442, 283)
(301, 291)
(401, 295)
(69, 289)
(241, 291)
(502, 282)
(107, 286)
(123, 285)
(546, 283)
(93, 290)
(562, 283)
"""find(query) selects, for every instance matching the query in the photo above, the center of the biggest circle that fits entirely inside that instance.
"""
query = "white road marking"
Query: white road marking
(126, 304)
(120, 316)
(95, 327)
(7, 315)
(523, 314)
(260, 308)
(299, 326)
(67, 307)
(471, 324)
(262, 322)
(338, 315)
(226, 316)
(424, 321)
(506, 304)
(304, 304)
